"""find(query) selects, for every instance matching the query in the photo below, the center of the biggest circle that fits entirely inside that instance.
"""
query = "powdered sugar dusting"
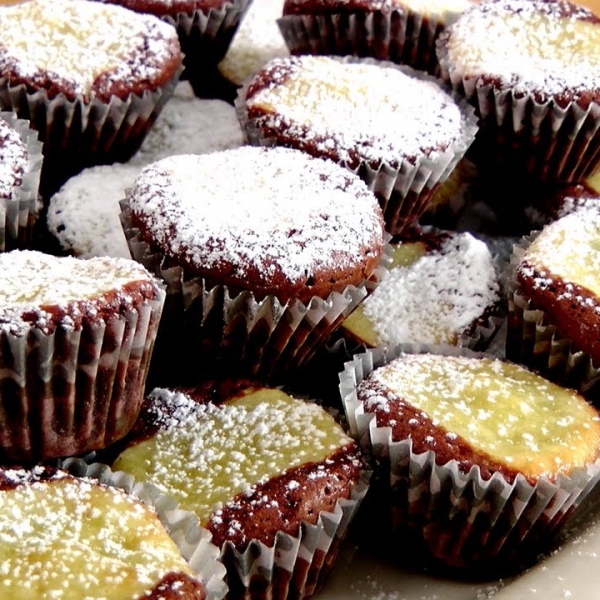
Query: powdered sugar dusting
(70, 538)
(204, 455)
(373, 111)
(435, 299)
(275, 209)
(532, 46)
(75, 42)
(13, 159)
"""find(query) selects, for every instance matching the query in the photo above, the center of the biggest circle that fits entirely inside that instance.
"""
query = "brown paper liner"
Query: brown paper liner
(244, 336)
(74, 390)
(461, 519)
(403, 191)
(532, 340)
(18, 213)
(401, 36)
(540, 140)
(78, 135)
(192, 540)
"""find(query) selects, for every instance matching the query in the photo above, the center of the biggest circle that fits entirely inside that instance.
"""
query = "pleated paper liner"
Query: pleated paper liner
(19, 212)
(75, 389)
(403, 190)
(192, 540)
(461, 519)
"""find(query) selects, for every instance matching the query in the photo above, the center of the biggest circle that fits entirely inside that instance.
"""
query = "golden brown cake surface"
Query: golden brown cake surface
(485, 412)
(259, 463)
(69, 538)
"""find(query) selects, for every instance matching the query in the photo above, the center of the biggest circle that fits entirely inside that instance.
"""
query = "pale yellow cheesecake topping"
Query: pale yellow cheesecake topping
(501, 409)
(204, 455)
(77, 540)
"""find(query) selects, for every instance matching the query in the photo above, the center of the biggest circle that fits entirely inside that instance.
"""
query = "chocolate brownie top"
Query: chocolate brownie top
(85, 49)
(483, 412)
(171, 8)
(45, 291)
(560, 272)
(269, 220)
(64, 537)
(13, 159)
(354, 111)
(550, 49)
(433, 296)
(257, 463)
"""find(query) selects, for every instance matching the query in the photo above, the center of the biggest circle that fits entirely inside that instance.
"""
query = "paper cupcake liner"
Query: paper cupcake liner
(294, 567)
(18, 213)
(461, 518)
(532, 340)
(75, 389)
(205, 36)
(400, 36)
(404, 191)
(192, 540)
(541, 140)
(77, 135)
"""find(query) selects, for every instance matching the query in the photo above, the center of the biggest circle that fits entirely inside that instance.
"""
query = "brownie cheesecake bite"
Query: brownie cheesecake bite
(75, 341)
(402, 31)
(91, 78)
(554, 301)
(396, 128)
(537, 94)
(486, 459)
(442, 288)
(265, 250)
(267, 475)
(68, 537)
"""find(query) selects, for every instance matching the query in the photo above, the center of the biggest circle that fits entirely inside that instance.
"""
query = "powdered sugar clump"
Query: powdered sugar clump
(13, 159)
(271, 210)
(531, 46)
(436, 298)
(373, 112)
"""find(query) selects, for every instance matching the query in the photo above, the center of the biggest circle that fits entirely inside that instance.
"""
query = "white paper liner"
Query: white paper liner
(401, 35)
(192, 540)
(75, 389)
(404, 191)
(532, 339)
(76, 134)
(260, 338)
(19, 212)
(463, 520)
(205, 36)
(539, 139)
(294, 566)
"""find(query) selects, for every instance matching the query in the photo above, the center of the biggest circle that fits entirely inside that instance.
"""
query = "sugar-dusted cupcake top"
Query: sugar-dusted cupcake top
(271, 220)
(354, 111)
(64, 537)
(82, 48)
(171, 8)
(43, 290)
(13, 159)
(274, 447)
(433, 293)
(546, 48)
(482, 411)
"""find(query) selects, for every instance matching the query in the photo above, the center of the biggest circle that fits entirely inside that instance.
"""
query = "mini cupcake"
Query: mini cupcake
(554, 299)
(401, 31)
(442, 288)
(76, 537)
(90, 77)
(75, 342)
(395, 127)
(537, 94)
(20, 166)
(293, 482)
(486, 460)
(264, 251)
